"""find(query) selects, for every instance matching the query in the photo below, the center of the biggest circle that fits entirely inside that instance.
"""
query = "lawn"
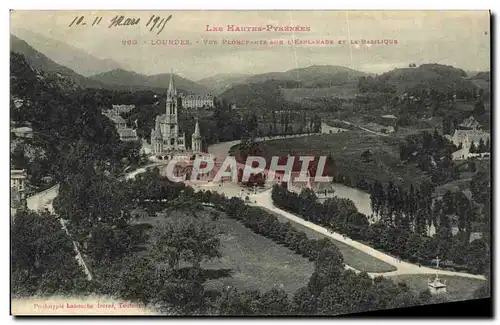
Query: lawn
(352, 256)
(459, 288)
(252, 262)
(346, 149)
(347, 90)
(256, 262)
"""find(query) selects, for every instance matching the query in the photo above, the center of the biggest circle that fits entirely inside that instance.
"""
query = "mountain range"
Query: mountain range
(72, 57)
(50, 55)
(159, 82)
(117, 79)
(40, 61)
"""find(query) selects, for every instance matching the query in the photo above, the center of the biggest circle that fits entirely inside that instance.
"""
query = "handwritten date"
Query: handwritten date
(155, 23)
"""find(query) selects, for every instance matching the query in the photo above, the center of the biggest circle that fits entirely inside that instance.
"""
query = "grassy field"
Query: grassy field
(257, 262)
(459, 288)
(346, 149)
(348, 90)
(352, 256)
(252, 262)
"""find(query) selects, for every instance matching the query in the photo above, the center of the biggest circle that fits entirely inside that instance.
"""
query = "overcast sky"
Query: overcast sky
(458, 38)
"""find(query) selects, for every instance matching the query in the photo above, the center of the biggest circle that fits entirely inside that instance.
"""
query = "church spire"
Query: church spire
(171, 92)
(197, 129)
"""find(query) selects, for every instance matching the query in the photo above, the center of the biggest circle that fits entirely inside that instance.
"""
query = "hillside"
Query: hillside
(316, 76)
(274, 89)
(263, 95)
(223, 81)
(129, 79)
(40, 61)
(65, 54)
(436, 76)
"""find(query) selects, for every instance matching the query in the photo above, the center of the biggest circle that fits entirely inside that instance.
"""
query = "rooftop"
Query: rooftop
(18, 173)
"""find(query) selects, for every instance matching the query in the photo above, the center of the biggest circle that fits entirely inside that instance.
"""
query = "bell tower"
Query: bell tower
(196, 138)
(171, 128)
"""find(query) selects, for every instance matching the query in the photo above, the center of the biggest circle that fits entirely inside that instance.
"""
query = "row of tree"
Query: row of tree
(481, 147)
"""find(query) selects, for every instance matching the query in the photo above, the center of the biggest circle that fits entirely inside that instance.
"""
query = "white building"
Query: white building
(195, 101)
(18, 179)
(118, 109)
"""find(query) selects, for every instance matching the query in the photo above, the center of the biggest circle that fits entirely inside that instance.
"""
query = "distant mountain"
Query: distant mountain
(72, 57)
(40, 61)
(223, 81)
(128, 79)
(484, 75)
(316, 76)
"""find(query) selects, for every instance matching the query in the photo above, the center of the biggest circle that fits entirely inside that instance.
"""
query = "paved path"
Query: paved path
(264, 200)
(364, 129)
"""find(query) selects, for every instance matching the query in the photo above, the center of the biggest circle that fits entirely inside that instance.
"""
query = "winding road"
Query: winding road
(44, 199)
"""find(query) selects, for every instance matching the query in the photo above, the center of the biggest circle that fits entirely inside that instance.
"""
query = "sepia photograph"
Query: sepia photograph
(311, 163)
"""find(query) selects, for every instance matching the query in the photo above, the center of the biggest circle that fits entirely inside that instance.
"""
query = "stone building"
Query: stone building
(165, 136)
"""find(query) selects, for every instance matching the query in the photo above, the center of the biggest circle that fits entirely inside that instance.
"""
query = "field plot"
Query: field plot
(346, 149)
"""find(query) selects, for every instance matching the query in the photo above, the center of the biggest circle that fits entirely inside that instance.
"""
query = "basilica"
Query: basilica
(165, 137)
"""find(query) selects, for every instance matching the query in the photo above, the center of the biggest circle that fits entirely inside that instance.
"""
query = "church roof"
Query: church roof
(171, 92)
(127, 132)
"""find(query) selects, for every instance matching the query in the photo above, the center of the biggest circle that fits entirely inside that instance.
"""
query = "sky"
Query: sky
(458, 38)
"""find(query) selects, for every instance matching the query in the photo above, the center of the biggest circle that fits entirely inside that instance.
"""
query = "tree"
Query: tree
(233, 302)
(479, 109)
(478, 257)
(188, 239)
(481, 186)
(274, 302)
(42, 257)
(481, 147)
(472, 148)
(328, 267)
(366, 156)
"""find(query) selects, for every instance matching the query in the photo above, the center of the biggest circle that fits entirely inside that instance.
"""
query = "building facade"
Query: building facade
(165, 136)
(195, 101)
(118, 109)
(18, 179)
